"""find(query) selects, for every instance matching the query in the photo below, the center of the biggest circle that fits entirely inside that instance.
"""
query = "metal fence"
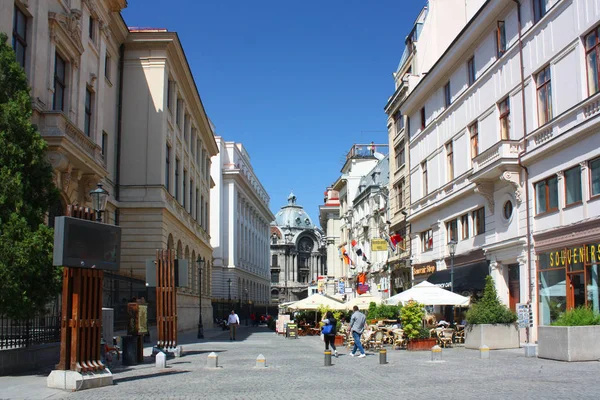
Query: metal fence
(25, 333)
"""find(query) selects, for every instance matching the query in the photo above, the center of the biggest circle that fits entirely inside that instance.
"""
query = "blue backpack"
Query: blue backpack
(329, 329)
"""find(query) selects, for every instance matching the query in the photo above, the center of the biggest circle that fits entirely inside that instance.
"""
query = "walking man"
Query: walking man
(233, 321)
(357, 326)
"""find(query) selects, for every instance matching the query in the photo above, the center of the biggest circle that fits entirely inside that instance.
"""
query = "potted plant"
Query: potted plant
(572, 337)
(491, 323)
(412, 323)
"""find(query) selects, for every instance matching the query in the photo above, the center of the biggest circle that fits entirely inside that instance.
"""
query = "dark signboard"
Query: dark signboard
(86, 244)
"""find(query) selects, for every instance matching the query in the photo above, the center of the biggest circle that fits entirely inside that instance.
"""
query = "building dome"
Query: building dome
(293, 215)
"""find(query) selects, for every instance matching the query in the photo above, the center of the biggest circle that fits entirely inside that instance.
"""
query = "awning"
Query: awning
(468, 278)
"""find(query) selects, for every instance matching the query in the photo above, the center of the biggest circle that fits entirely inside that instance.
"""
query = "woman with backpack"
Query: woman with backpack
(329, 331)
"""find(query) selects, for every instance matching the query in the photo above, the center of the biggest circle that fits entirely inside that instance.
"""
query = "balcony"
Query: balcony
(494, 161)
(67, 140)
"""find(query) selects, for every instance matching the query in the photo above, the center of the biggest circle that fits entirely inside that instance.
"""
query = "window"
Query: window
(107, 63)
(186, 126)
(500, 39)
(169, 92)
(206, 222)
(92, 28)
(452, 230)
(197, 204)
(400, 155)
(399, 189)
(447, 95)
(198, 145)
(573, 185)
(58, 101)
(177, 179)
(427, 240)
(408, 125)
(88, 112)
(464, 226)
(504, 108)
(200, 217)
(479, 221)
(179, 111)
(592, 57)
(595, 177)
(423, 118)
(471, 70)
(183, 203)
(546, 195)
(193, 142)
(399, 122)
(19, 42)
(168, 169)
(424, 169)
(540, 7)
(104, 143)
(507, 210)
(544, 96)
(474, 133)
(191, 196)
(450, 161)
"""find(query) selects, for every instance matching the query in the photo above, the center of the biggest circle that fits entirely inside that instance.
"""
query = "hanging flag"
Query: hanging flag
(353, 242)
(430, 242)
(359, 252)
(396, 238)
(364, 257)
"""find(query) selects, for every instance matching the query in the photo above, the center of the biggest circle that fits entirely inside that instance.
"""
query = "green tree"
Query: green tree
(27, 278)
(489, 309)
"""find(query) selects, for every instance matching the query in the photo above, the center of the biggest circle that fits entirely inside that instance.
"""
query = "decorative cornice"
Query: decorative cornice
(65, 30)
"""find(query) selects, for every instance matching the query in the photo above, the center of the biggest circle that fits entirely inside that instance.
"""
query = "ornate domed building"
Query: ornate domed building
(297, 253)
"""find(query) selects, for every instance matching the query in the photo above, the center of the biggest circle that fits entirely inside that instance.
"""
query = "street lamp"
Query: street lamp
(288, 244)
(99, 197)
(452, 251)
(201, 261)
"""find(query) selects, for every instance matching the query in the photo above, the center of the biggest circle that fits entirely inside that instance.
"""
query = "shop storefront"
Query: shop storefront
(423, 271)
(468, 279)
(568, 278)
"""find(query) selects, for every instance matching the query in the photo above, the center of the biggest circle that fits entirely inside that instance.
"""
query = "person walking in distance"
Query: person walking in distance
(357, 326)
(329, 330)
(233, 321)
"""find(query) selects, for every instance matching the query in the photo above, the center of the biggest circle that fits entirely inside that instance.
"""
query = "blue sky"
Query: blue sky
(297, 82)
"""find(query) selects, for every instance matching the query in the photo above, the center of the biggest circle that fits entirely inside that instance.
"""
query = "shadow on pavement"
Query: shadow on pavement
(116, 381)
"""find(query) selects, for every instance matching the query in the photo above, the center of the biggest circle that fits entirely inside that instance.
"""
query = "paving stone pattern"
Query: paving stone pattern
(295, 370)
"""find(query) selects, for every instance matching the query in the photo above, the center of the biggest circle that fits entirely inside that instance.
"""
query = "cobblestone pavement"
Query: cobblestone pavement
(295, 370)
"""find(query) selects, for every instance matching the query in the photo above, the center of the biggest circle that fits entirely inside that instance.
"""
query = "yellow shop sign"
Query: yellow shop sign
(576, 255)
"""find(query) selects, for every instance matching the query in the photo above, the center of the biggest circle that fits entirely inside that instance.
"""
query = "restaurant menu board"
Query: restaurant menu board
(282, 321)
(524, 315)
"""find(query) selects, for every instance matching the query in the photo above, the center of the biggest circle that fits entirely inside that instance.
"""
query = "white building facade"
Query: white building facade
(502, 137)
(240, 219)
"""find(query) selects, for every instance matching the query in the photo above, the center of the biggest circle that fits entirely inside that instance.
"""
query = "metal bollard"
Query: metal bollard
(161, 360)
(212, 360)
(484, 352)
(328, 358)
(261, 362)
(436, 353)
(383, 356)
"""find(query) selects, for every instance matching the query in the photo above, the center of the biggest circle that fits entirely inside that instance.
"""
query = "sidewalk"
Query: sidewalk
(32, 385)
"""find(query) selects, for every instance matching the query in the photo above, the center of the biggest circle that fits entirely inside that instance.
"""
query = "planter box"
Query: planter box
(339, 340)
(569, 343)
(499, 336)
(421, 344)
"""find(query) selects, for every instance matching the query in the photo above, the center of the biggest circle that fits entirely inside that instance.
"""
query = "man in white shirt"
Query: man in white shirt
(233, 321)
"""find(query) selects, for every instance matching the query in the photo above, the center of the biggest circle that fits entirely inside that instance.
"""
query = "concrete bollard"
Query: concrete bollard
(530, 350)
(178, 351)
(328, 358)
(383, 356)
(436, 353)
(212, 360)
(261, 362)
(161, 360)
(484, 352)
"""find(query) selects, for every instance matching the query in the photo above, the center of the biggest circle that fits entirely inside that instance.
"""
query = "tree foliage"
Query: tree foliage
(489, 309)
(27, 278)
(412, 319)
(579, 316)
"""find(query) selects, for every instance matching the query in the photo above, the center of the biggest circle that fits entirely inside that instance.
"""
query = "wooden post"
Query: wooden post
(81, 319)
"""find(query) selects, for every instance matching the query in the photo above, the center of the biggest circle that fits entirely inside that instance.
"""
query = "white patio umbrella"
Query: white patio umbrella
(430, 295)
(315, 301)
(363, 301)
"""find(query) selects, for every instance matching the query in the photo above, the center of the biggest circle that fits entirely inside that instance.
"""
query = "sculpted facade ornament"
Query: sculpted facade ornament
(65, 31)
(513, 179)
(487, 191)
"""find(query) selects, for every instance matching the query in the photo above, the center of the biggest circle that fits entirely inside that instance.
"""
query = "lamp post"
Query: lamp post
(201, 261)
(288, 244)
(452, 251)
(99, 197)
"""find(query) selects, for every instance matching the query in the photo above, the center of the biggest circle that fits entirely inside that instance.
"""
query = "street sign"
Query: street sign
(341, 286)
(378, 245)
(524, 315)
